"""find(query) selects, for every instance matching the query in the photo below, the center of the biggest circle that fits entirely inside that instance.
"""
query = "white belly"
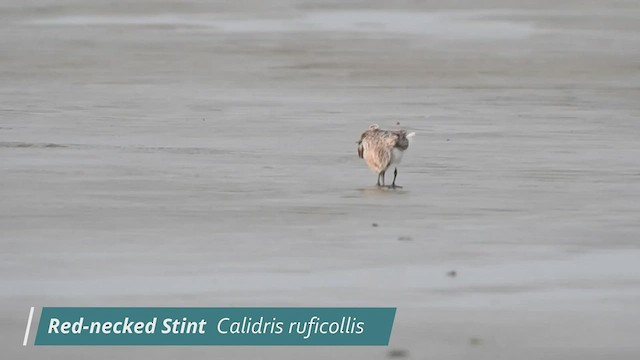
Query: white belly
(396, 157)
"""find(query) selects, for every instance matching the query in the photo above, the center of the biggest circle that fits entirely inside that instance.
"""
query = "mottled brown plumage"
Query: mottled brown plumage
(382, 148)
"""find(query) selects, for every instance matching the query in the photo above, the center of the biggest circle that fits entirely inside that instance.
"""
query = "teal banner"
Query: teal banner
(214, 326)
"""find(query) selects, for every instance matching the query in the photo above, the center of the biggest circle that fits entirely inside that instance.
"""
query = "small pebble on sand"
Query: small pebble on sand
(398, 353)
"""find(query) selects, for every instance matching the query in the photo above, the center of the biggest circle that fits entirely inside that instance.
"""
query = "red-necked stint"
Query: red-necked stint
(382, 149)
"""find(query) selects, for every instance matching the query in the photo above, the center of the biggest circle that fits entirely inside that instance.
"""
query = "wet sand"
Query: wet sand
(195, 154)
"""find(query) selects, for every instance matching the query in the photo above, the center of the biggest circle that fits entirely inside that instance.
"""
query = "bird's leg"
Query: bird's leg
(379, 179)
(393, 184)
(382, 176)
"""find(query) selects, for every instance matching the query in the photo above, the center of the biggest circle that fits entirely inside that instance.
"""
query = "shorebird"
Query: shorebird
(383, 148)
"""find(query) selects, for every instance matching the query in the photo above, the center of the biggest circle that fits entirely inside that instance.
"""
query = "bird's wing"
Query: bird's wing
(381, 156)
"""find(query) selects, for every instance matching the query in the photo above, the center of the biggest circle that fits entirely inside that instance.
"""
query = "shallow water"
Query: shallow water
(197, 154)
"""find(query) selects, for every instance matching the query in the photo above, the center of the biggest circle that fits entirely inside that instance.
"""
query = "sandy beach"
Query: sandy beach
(165, 153)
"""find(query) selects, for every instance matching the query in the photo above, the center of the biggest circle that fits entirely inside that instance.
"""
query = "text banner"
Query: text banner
(214, 326)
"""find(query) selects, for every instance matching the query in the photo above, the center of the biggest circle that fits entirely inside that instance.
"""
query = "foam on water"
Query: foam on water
(451, 25)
